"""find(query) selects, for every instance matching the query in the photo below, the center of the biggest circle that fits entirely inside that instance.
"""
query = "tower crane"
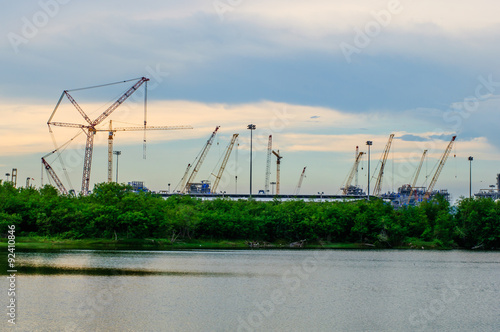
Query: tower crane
(442, 161)
(383, 160)
(299, 185)
(417, 173)
(111, 132)
(268, 163)
(353, 171)
(224, 163)
(90, 128)
(278, 162)
(203, 154)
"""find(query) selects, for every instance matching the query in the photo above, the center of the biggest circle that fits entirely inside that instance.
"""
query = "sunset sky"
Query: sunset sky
(321, 76)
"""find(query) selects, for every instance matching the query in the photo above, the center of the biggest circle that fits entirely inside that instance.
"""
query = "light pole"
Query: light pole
(169, 188)
(117, 153)
(272, 187)
(369, 143)
(321, 195)
(470, 176)
(252, 128)
(7, 175)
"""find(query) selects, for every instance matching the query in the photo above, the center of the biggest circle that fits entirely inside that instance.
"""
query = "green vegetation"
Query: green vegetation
(119, 217)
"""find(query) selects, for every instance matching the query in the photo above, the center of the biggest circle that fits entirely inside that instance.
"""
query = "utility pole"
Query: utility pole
(252, 128)
(117, 153)
(369, 143)
(470, 176)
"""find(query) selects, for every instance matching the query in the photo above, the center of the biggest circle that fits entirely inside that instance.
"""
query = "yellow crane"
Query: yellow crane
(278, 162)
(224, 163)
(354, 169)
(203, 154)
(111, 132)
(442, 161)
(299, 185)
(378, 185)
(416, 176)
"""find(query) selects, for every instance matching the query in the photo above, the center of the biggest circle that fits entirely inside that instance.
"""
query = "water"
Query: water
(279, 290)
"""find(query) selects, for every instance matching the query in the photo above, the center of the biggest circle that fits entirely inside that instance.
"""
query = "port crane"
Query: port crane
(417, 173)
(90, 128)
(354, 170)
(442, 161)
(268, 163)
(111, 132)
(224, 163)
(299, 185)
(378, 185)
(203, 154)
(278, 162)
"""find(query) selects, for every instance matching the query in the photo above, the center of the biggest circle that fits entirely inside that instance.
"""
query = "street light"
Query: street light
(470, 176)
(272, 187)
(117, 153)
(7, 175)
(252, 128)
(321, 195)
(369, 143)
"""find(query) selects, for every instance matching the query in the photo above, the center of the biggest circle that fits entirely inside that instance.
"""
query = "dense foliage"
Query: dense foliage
(114, 211)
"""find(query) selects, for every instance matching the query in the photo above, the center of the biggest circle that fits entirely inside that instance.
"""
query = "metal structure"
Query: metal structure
(13, 177)
(184, 178)
(369, 143)
(202, 157)
(268, 163)
(117, 154)
(357, 168)
(347, 187)
(470, 176)
(224, 163)
(299, 185)
(378, 184)
(90, 128)
(54, 176)
(442, 161)
(251, 127)
(278, 162)
(111, 132)
(417, 173)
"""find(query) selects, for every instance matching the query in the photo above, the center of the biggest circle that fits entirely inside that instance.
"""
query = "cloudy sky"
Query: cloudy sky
(321, 76)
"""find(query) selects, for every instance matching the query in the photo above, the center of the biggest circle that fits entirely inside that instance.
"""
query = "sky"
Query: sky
(321, 77)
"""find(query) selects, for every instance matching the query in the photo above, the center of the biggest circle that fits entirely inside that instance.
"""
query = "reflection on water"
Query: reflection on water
(277, 290)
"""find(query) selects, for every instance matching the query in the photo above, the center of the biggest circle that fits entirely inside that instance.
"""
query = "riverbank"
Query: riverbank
(45, 243)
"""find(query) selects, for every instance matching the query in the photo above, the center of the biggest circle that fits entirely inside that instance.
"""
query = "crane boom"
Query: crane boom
(54, 177)
(203, 154)
(442, 161)
(268, 163)
(278, 162)
(383, 160)
(354, 169)
(224, 162)
(417, 173)
(299, 185)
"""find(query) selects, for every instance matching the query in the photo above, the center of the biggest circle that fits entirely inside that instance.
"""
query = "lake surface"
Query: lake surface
(260, 290)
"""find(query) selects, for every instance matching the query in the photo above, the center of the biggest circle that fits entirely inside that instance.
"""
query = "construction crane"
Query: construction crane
(278, 162)
(378, 185)
(13, 177)
(182, 183)
(442, 161)
(355, 157)
(203, 154)
(354, 170)
(299, 185)
(54, 176)
(90, 128)
(224, 163)
(111, 132)
(268, 163)
(417, 173)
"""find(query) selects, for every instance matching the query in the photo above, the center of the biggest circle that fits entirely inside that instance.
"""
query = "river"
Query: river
(256, 290)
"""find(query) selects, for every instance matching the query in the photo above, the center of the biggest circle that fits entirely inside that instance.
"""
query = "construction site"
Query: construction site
(410, 193)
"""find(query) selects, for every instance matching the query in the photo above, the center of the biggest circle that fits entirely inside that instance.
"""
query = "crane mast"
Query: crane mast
(278, 162)
(299, 185)
(383, 160)
(203, 154)
(442, 161)
(268, 163)
(414, 183)
(224, 163)
(54, 177)
(353, 171)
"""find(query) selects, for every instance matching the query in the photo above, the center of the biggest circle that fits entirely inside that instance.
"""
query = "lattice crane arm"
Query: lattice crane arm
(417, 173)
(442, 161)
(224, 163)
(378, 185)
(299, 185)
(268, 163)
(352, 173)
(54, 177)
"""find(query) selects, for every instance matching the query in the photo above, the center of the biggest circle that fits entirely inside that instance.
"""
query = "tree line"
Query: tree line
(114, 211)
